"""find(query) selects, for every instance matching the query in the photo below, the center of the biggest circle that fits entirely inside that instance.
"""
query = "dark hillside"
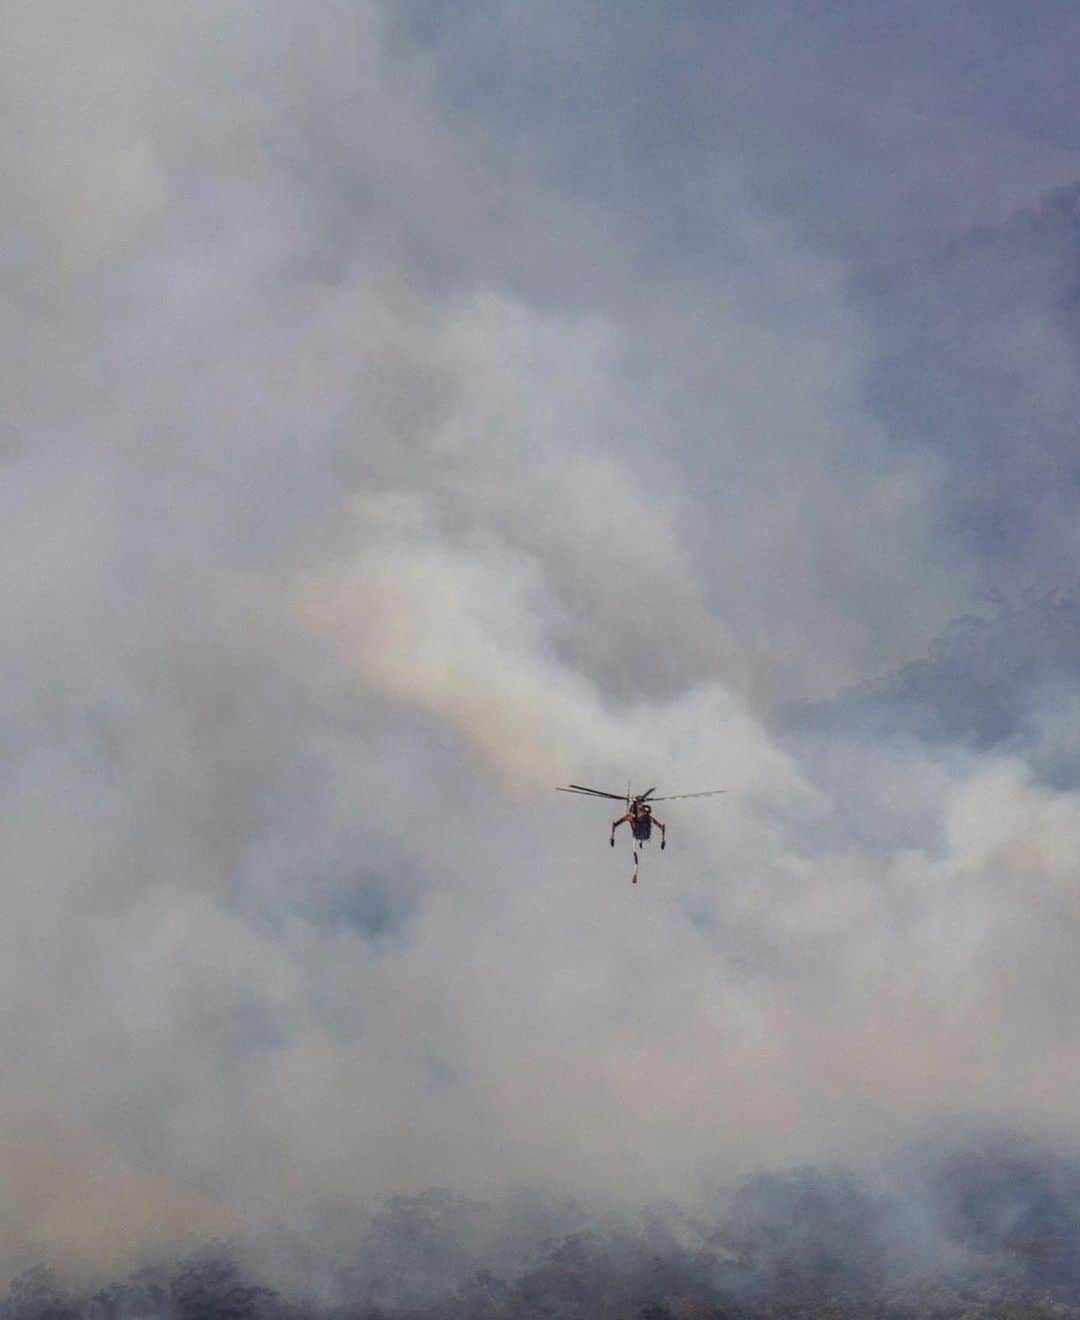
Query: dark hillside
(976, 355)
(985, 1231)
(980, 684)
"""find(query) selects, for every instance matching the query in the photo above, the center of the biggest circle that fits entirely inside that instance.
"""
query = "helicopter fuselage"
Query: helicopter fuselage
(638, 812)
(640, 824)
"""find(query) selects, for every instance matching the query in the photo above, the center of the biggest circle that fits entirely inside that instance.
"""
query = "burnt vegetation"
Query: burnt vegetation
(988, 1231)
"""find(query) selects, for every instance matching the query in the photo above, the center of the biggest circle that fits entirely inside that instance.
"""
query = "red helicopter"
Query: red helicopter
(638, 813)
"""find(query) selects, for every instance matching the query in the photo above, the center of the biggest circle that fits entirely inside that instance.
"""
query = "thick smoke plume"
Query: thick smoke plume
(408, 408)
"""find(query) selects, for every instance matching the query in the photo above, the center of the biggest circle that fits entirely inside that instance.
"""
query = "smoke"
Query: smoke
(1001, 1242)
(373, 461)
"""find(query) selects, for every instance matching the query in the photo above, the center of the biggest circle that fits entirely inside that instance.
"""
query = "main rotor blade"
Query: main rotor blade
(674, 797)
(648, 793)
(591, 792)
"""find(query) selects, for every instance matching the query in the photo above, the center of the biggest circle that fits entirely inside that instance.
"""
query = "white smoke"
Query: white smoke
(366, 483)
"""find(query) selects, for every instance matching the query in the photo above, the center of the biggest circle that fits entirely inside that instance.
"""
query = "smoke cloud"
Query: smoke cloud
(408, 409)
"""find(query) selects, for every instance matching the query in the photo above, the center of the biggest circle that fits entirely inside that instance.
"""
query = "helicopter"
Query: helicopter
(638, 813)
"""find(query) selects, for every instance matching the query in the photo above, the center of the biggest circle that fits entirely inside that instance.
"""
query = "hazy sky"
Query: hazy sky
(408, 408)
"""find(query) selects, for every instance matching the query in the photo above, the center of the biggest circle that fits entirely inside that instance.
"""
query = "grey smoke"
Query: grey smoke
(414, 413)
